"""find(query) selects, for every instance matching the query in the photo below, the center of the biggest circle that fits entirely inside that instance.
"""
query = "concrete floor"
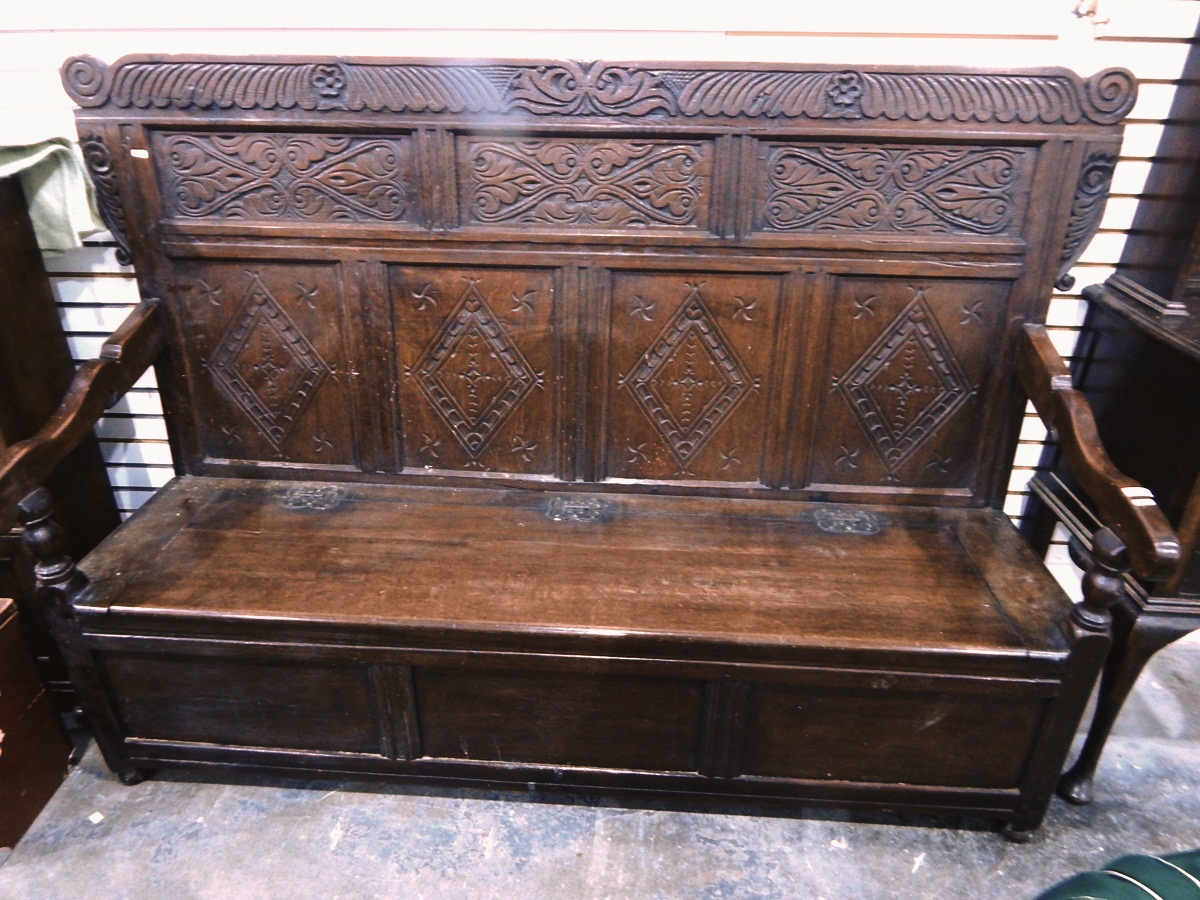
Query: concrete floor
(183, 836)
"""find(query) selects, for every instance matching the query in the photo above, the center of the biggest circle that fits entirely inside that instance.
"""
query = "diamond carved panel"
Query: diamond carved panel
(689, 380)
(473, 373)
(906, 385)
(266, 366)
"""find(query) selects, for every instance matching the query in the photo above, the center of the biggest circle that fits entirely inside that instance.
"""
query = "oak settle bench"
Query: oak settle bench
(618, 427)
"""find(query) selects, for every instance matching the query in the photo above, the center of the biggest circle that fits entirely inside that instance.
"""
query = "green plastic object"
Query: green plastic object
(1135, 877)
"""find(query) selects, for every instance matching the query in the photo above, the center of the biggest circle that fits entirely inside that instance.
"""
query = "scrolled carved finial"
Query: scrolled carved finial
(1111, 94)
(108, 198)
(1091, 192)
(87, 80)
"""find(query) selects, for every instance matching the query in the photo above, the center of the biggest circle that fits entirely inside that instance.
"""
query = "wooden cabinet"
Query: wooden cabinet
(1141, 372)
(34, 751)
(1138, 363)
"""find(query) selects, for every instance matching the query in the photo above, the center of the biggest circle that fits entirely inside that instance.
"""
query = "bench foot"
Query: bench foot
(1076, 787)
(1017, 835)
(130, 777)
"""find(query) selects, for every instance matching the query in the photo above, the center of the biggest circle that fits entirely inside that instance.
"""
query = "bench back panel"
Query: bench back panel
(746, 280)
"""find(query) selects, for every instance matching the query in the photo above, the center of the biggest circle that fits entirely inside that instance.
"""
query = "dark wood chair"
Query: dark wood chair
(1139, 366)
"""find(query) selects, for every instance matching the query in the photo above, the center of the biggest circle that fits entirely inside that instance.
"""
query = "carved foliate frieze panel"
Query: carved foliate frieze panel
(267, 343)
(475, 358)
(689, 368)
(901, 396)
(587, 183)
(288, 177)
(568, 88)
(893, 188)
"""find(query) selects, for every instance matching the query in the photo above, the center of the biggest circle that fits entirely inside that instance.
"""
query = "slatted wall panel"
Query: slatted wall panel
(1150, 37)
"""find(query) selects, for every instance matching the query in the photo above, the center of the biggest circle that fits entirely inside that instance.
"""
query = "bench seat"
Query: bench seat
(769, 577)
(717, 646)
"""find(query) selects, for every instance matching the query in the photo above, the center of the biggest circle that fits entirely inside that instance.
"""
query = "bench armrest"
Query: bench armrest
(97, 385)
(1122, 504)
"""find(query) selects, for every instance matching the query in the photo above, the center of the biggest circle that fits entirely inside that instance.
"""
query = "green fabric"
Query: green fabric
(1135, 877)
(1163, 876)
(57, 190)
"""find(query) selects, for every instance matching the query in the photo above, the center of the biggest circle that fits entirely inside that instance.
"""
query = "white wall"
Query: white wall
(1151, 37)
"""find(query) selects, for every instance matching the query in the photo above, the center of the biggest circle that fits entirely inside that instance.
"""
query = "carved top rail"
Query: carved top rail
(581, 89)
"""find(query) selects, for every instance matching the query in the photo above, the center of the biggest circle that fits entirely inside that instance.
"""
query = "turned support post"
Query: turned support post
(59, 582)
(1103, 588)
(59, 585)
(1089, 631)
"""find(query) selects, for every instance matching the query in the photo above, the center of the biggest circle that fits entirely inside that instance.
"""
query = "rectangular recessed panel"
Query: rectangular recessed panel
(908, 373)
(944, 739)
(244, 702)
(558, 718)
(476, 368)
(897, 189)
(689, 374)
(585, 183)
(285, 177)
(270, 360)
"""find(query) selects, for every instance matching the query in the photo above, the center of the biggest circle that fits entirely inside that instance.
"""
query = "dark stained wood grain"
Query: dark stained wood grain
(823, 734)
(733, 571)
(98, 384)
(34, 751)
(633, 426)
(35, 373)
(1153, 546)
(300, 705)
(565, 719)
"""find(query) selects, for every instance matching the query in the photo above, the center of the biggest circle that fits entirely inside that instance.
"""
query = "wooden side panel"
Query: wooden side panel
(889, 736)
(904, 384)
(476, 356)
(271, 360)
(560, 718)
(690, 371)
(242, 702)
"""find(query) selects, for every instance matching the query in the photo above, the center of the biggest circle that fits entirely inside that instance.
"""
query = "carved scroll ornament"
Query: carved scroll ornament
(108, 199)
(613, 183)
(285, 176)
(600, 88)
(929, 190)
(1091, 194)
